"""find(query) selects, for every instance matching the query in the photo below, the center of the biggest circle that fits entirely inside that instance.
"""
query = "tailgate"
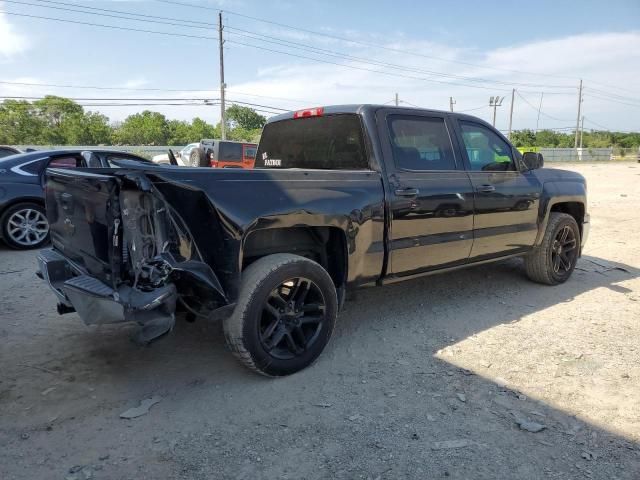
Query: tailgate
(84, 217)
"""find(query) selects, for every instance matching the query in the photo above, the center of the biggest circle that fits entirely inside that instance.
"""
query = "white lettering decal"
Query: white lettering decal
(272, 162)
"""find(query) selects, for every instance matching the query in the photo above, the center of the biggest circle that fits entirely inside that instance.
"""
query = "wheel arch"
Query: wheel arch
(564, 197)
(324, 244)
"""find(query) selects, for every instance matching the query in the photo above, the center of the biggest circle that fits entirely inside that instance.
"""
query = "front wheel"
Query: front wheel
(553, 261)
(285, 315)
(25, 226)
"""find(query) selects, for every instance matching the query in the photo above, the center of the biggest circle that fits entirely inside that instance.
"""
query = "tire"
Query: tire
(197, 158)
(542, 264)
(32, 214)
(253, 330)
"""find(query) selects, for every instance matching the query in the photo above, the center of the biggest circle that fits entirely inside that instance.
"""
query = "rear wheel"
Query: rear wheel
(553, 261)
(285, 315)
(25, 226)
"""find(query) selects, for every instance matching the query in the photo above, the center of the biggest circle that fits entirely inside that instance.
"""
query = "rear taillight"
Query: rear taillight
(214, 163)
(309, 112)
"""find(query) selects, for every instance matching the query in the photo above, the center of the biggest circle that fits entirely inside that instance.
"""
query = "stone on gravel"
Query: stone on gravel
(533, 427)
(142, 409)
(462, 397)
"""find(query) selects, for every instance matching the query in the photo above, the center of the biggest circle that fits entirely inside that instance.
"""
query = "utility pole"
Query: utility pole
(575, 145)
(513, 95)
(223, 115)
(452, 102)
(495, 102)
(581, 130)
(397, 101)
(539, 108)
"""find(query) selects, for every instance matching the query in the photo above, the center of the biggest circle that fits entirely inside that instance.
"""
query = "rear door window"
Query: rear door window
(66, 161)
(420, 143)
(329, 142)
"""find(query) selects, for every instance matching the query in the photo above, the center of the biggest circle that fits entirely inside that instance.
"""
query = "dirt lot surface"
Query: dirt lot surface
(445, 376)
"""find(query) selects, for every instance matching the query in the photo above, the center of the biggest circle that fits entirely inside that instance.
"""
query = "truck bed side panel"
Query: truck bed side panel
(222, 207)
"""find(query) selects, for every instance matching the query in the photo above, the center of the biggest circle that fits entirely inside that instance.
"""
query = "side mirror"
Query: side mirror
(532, 160)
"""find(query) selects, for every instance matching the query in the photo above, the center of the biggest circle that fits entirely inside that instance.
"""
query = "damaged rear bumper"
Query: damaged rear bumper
(97, 303)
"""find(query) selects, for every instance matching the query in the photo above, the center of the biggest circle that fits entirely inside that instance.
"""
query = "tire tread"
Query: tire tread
(252, 278)
(537, 263)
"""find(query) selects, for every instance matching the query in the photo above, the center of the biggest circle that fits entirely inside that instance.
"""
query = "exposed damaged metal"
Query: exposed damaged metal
(153, 262)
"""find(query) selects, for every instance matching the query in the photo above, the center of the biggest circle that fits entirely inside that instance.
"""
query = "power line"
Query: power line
(208, 24)
(93, 87)
(611, 100)
(612, 95)
(324, 51)
(353, 67)
(170, 34)
(471, 109)
(247, 45)
(264, 38)
(374, 45)
(539, 110)
(100, 14)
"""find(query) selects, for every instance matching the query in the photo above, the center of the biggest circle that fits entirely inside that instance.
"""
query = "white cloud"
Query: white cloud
(11, 42)
(598, 58)
(137, 82)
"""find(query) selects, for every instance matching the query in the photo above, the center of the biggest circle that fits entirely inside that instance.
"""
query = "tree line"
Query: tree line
(590, 139)
(60, 121)
(57, 120)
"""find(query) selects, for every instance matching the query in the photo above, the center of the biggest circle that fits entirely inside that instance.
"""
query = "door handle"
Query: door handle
(486, 188)
(407, 192)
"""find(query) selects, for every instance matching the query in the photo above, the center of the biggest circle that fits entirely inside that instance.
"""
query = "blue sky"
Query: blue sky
(556, 43)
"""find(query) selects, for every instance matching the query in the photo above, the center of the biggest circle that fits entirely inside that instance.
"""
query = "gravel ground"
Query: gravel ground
(444, 376)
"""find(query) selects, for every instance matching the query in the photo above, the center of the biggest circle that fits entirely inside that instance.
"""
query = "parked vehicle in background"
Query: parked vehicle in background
(341, 197)
(6, 150)
(223, 154)
(23, 223)
(181, 156)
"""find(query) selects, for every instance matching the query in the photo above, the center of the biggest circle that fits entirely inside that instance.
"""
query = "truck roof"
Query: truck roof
(355, 108)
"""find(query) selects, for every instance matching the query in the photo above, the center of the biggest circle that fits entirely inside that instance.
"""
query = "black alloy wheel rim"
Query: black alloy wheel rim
(292, 318)
(563, 250)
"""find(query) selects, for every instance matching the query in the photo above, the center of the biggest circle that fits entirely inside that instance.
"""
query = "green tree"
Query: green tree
(523, 138)
(54, 111)
(91, 128)
(18, 123)
(179, 132)
(146, 128)
(201, 129)
(245, 117)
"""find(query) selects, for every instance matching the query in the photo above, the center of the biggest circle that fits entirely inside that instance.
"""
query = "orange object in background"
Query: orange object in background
(227, 154)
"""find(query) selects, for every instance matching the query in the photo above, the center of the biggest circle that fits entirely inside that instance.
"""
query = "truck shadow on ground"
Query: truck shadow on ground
(383, 400)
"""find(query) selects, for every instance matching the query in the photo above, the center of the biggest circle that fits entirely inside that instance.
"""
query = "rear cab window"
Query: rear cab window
(331, 142)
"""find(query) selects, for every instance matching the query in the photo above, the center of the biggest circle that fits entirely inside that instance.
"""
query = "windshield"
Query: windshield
(328, 142)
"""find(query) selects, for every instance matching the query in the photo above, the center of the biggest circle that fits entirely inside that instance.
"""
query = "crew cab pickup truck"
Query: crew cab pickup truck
(341, 197)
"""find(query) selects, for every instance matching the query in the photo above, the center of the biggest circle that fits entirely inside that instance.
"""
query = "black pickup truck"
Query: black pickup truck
(341, 197)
